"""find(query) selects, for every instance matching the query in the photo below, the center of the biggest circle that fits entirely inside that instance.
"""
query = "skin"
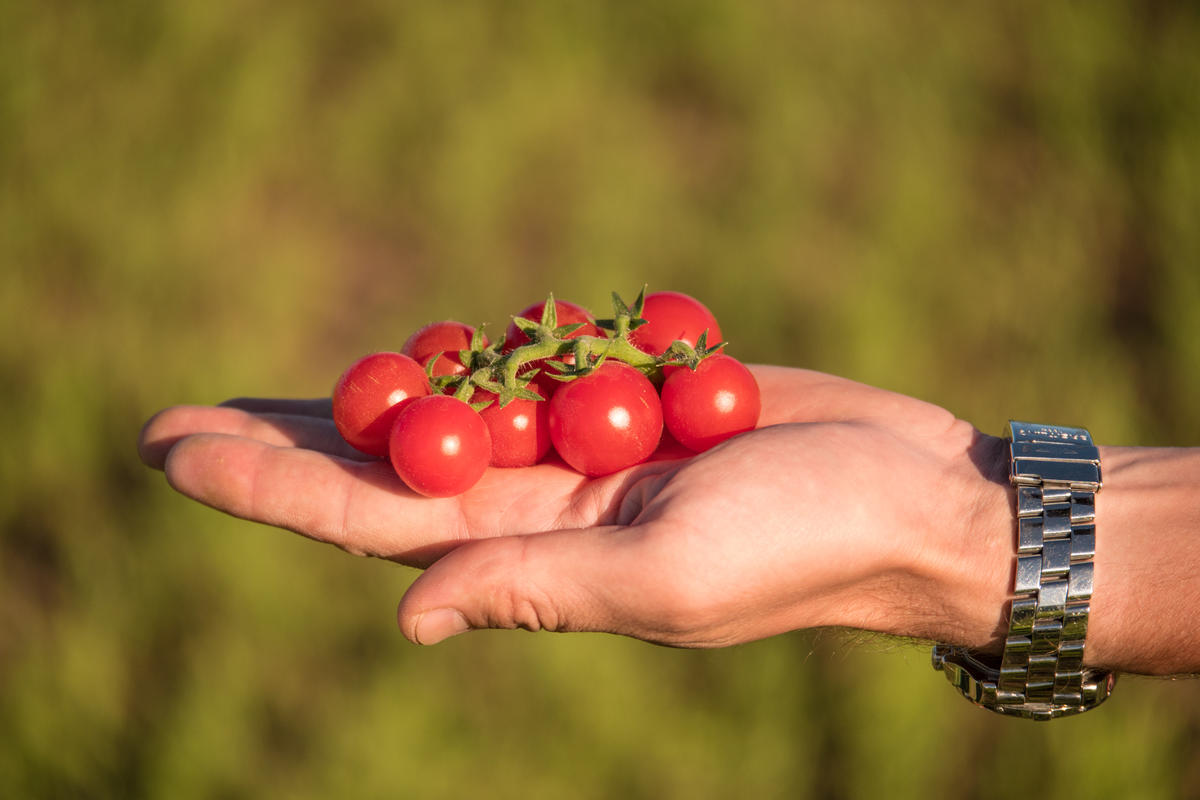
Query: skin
(850, 506)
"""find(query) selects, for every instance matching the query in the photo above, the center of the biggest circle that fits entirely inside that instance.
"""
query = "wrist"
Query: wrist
(1056, 472)
(951, 576)
(967, 557)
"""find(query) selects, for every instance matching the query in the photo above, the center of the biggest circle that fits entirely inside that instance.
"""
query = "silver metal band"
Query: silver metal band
(1056, 472)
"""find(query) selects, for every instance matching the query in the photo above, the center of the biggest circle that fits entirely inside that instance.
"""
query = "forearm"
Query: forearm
(1147, 595)
(1146, 599)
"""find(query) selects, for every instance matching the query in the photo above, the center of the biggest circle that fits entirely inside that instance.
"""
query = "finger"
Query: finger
(801, 395)
(167, 427)
(315, 407)
(361, 507)
(364, 508)
(581, 580)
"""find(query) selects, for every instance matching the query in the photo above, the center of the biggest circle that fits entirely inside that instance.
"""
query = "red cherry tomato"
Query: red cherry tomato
(369, 395)
(568, 314)
(717, 400)
(520, 431)
(670, 316)
(606, 421)
(439, 446)
(441, 341)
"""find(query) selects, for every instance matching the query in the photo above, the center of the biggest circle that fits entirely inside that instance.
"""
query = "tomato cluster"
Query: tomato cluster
(603, 394)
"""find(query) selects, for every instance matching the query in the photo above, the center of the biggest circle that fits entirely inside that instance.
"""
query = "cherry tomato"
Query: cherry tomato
(717, 400)
(439, 446)
(520, 431)
(568, 314)
(441, 343)
(606, 421)
(670, 316)
(369, 395)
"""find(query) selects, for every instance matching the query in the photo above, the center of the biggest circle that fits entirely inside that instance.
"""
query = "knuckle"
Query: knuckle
(531, 613)
(640, 494)
(519, 599)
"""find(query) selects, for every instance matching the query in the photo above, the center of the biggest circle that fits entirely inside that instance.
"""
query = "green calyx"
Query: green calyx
(682, 354)
(508, 375)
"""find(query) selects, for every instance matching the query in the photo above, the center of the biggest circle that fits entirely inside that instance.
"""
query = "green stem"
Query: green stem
(586, 349)
(526, 353)
(465, 391)
(622, 350)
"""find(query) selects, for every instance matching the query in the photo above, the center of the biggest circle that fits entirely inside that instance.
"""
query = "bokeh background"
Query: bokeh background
(992, 207)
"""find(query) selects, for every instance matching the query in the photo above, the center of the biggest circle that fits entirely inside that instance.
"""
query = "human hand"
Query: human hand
(850, 506)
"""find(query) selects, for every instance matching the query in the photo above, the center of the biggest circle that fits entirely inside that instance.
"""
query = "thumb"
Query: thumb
(558, 581)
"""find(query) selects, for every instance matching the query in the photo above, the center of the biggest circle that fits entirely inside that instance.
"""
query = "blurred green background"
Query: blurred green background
(994, 208)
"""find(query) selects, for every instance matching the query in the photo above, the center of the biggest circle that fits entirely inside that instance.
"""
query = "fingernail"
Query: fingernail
(441, 623)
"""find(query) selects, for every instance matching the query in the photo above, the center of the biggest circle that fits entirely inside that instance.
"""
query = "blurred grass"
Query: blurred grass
(993, 208)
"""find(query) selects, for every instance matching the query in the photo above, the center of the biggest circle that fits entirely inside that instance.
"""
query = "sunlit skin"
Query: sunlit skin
(817, 518)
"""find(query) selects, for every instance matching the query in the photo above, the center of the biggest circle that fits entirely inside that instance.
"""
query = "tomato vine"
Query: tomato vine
(502, 370)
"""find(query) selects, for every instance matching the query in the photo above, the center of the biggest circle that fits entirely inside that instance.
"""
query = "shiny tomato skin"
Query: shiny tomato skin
(670, 316)
(568, 314)
(441, 341)
(369, 395)
(520, 431)
(716, 401)
(606, 421)
(439, 446)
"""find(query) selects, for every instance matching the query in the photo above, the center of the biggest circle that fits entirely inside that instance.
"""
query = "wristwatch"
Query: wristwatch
(1056, 472)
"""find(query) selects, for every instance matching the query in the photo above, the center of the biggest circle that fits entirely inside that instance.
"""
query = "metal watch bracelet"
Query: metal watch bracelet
(1056, 472)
